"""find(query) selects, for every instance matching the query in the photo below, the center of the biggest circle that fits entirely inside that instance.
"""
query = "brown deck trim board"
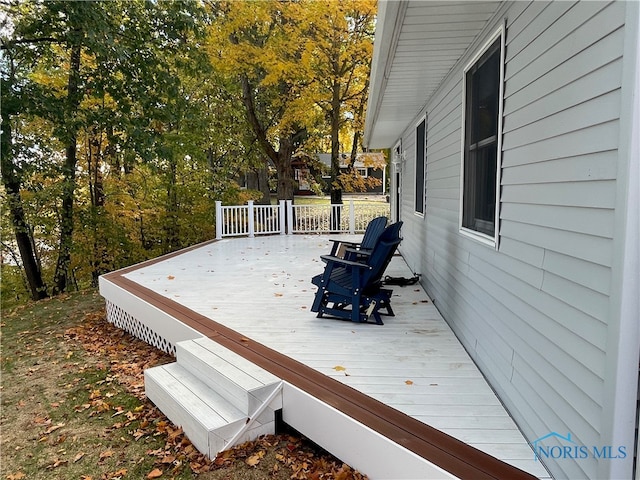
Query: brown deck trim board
(435, 446)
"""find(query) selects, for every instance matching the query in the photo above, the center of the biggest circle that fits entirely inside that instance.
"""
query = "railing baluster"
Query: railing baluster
(268, 219)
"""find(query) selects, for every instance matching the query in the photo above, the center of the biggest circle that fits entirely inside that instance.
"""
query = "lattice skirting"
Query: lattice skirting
(135, 327)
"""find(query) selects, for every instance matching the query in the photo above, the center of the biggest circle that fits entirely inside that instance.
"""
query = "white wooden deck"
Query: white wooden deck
(260, 287)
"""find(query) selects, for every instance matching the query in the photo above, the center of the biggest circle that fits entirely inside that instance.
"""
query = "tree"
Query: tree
(12, 172)
(343, 46)
(102, 74)
(301, 65)
(265, 47)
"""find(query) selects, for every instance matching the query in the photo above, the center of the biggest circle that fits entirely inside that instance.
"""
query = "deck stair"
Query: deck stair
(218, 397)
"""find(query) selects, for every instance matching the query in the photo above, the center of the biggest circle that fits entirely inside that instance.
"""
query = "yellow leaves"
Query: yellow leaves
(339, 368)
(352, 181)
(372, 159)
(56, 83)
(298, 50)
(254, 459)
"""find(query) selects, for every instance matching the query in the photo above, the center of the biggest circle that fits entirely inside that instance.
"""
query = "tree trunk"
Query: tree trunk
(96, 190)
(62, 275)
(281, 158)
(23, 233)
(171, 227)
(259, 180)
(336, 189)
(285, 179)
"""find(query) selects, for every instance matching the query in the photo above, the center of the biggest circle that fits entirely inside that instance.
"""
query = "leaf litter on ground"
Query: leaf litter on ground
(78, 384)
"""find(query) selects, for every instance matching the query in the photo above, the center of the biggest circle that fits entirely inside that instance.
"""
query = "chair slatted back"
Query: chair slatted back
(372, 233)
(381, 254)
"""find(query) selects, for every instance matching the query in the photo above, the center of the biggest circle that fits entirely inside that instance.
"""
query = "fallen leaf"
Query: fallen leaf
(16, 476)
(339, 368)
(155, 473)
(254, 460)
(54, 428)
(106, 454)
(170, 277)
(408, 382)
(78, 457)
(57, 463)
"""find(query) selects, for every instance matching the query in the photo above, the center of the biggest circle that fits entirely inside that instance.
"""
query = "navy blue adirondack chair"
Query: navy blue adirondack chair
(354, 250)
(357, 284)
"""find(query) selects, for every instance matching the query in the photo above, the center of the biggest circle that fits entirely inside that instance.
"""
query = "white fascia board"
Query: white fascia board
(388, 26)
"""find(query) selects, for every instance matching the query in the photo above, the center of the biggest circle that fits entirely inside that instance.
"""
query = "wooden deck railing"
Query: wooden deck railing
(287, 218)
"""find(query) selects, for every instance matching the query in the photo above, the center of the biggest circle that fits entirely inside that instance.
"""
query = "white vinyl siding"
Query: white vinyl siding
(535, 313)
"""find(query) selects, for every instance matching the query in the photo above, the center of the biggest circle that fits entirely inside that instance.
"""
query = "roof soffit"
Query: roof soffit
(417, 44)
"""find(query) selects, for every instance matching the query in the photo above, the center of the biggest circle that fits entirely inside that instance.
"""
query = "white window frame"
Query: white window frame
(397, 160)
(479, 236)
(424, 171)
(363, 171)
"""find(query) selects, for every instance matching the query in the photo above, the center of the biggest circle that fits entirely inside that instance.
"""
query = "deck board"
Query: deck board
(261, 289)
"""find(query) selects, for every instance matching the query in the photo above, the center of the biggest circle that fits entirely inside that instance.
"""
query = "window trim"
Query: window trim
(422, 213)
(467, 232)
(397, 160)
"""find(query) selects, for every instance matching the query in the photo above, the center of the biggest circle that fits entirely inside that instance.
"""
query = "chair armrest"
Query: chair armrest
(359, 252)
(345, 242)
(343, 262)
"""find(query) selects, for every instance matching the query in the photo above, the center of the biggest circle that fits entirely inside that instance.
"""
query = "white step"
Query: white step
(207, 418)
(241, 382)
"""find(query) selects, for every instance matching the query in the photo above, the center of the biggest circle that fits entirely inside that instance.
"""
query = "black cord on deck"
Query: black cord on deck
(402, 281)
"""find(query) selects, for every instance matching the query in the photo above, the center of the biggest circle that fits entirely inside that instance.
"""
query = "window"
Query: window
(421, 150)
(363, 172)
(482, 131)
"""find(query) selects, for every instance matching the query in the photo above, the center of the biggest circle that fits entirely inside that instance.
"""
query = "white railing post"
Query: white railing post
(283, 216)
(218, 220)
(250, 219)
(289, 217)
(352, 218)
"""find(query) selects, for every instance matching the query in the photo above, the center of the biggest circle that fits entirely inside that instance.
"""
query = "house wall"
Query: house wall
(535, 314)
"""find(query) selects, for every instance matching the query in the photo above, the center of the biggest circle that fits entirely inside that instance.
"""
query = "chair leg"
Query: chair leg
(355, 307)
(318, 300)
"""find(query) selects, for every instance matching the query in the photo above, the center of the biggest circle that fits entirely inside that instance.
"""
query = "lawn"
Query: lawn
(73, 407)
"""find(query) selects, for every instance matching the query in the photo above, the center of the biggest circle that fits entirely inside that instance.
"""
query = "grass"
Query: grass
(73, 407)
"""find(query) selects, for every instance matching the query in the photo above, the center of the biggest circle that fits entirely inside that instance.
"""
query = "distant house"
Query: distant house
(367, 165)
(514, 129)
